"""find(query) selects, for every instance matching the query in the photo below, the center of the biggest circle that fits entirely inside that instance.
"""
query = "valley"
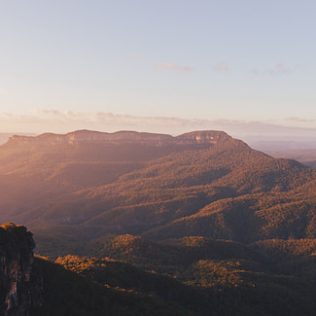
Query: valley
(151, 224)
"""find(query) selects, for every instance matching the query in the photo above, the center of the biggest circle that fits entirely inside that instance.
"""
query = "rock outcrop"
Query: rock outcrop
(123, 137)
(16, 259)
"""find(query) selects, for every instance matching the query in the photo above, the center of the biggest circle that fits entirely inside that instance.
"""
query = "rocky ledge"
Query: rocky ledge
(16, 259)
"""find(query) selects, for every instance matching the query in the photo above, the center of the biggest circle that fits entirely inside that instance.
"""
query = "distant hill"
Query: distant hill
(75, 188)
(4, 137)
(149, 224)
(302, 151)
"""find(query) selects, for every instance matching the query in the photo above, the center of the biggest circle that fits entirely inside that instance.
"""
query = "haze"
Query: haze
(157, 158)
(229, 60)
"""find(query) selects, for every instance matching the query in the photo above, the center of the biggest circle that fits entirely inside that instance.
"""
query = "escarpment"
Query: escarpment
(17, 288)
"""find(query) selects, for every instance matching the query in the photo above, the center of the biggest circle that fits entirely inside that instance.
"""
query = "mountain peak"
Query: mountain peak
(204, 137)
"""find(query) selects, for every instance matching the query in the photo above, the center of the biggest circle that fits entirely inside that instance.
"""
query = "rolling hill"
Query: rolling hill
(77, 188)
(193, 276)
(150, 224)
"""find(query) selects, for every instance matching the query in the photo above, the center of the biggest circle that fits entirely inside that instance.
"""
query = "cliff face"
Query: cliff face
(123, 137)
(16, 258)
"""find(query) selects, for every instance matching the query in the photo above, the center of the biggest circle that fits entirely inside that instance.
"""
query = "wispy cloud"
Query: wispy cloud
(277, 70)
(221, 67)
(175, 67)
(296, 119)
(65, 121)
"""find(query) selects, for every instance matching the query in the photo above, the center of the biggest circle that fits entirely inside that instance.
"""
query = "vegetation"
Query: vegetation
(147, 224)
(210, 277)
(86, 186)
(68, 294)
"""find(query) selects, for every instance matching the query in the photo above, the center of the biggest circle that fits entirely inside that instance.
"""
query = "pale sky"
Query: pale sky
(244, 60)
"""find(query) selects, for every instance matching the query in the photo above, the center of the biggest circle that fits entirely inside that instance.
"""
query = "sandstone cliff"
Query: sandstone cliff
(16, 258)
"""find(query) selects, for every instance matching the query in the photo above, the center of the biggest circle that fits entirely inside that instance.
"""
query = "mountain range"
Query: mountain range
(135, 223)
(79, 187)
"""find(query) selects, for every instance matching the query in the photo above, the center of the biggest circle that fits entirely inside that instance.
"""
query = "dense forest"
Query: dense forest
(147, 224)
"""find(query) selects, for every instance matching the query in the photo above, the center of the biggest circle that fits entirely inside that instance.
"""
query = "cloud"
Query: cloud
(65, 121)
(280, 69)
(221, 68)
(277, 70)
(175, 68)
(296, 119)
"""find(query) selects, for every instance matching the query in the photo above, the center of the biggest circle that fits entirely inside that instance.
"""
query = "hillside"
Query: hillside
(34, 286)
(87, 185)
(206, 277)
(148, 224)
(193, 276)
(305, 155)
(59, 164)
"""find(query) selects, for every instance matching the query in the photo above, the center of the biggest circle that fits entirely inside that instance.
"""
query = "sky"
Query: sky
(245, 60)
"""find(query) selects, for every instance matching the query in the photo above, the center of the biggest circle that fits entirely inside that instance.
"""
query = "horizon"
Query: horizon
(64, 122)
(157, 157)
